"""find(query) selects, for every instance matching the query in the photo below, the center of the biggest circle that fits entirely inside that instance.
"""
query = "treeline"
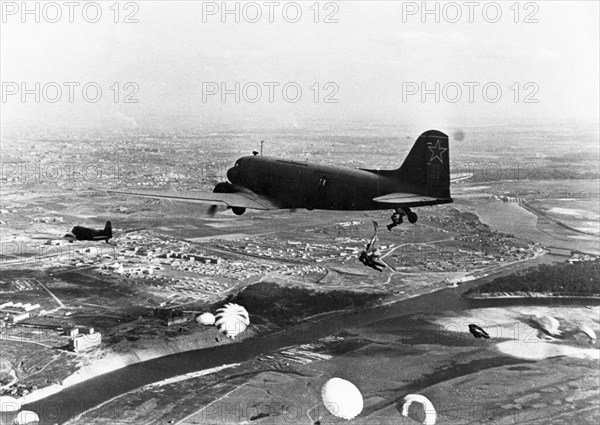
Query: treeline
(283, 305)
(581, 278)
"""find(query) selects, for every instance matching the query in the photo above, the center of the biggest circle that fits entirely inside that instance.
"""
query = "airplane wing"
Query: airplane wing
(404, 198)
(44, 237)
(117, 235)
(239, 199)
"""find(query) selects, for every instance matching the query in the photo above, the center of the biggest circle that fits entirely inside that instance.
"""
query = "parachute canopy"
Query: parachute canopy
(430, 414)
(232, 320)
(547, 324)
(342, 398)
(26, 417)
(588, 331)
(9, 404)
(207, 319)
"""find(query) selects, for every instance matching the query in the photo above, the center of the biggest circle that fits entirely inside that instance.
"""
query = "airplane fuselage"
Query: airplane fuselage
(86, 234)
(315, 186)
(264, 183)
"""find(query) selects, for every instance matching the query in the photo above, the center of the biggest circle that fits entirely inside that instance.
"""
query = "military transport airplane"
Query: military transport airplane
(81, 233)
(266, 183)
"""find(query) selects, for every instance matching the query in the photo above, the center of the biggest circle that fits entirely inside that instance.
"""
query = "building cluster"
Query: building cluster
(457, 258)
(24, 321)
(49, 220)
(191, 257)
(349, 223)
(507, 198)
(464, 223)
(133, 269)
(82, 338)
(296, 252)
(140, 255)
(156, 260)
(580, 256)
(15, 312)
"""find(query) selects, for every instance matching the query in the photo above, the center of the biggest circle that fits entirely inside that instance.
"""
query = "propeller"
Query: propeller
(212, 210)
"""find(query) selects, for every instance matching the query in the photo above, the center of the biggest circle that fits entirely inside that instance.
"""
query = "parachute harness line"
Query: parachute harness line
(308, 413)
(430, 413)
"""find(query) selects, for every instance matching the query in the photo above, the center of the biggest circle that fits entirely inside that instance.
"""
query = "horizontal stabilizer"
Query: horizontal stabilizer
(400, 198)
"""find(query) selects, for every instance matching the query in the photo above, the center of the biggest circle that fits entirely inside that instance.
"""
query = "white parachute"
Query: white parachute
(589, 332)
(342, 398)
(232, 320)
(9, 404)
(430, 414)
(26, 417)
(207, 319)
(546, 324)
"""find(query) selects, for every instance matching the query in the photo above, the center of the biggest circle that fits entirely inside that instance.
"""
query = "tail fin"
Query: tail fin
(108, 229)
(426, 169)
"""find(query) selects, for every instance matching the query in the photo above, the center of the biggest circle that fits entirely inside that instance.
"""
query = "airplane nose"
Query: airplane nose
(232, 175)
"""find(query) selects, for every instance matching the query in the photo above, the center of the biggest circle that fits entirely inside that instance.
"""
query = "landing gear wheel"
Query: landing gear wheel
(412, 217)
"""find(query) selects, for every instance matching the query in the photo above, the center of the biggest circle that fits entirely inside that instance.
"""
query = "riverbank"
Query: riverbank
(519, 294)
(108, 360)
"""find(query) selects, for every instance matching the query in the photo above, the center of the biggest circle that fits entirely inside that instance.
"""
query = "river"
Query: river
(76, 399)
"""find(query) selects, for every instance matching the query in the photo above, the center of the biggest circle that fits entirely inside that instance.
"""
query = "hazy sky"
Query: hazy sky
(372, 57)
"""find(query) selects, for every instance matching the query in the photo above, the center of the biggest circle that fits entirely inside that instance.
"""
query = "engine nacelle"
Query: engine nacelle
(238, 210)
(224, 187)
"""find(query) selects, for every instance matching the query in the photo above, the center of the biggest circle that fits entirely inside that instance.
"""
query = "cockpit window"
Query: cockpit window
(237, 164)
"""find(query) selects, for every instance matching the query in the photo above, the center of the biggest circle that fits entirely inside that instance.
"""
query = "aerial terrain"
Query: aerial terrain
(528, 203)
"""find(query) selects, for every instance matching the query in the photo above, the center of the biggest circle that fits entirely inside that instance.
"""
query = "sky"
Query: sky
(362, 61)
